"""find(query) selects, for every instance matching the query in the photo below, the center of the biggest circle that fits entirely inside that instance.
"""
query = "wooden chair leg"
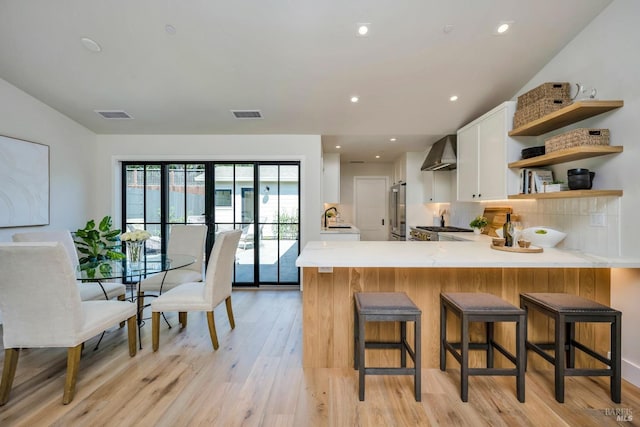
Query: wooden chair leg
(212, 330)
(132, 329)
(121, 298)
(230, 312)
(73, 363)
(155, 330)
(182, 318)
(8, 373)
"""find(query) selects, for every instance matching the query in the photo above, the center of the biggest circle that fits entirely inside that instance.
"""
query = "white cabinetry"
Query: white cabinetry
(400, 169)
(331, 178)
(483, 149)
(437, 186)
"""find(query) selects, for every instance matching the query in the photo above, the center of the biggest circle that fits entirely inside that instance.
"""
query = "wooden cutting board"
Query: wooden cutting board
(497, 216)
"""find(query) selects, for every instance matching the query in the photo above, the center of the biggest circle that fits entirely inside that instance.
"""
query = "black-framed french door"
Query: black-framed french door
(261, 198)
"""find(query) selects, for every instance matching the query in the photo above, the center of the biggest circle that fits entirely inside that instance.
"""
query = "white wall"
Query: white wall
(112, 149)
(604, 56)
(71, 157)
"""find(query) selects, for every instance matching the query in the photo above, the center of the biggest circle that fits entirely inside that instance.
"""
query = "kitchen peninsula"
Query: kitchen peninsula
(334, 271)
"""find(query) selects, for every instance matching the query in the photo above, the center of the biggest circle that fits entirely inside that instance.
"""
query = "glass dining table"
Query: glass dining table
(132, 273)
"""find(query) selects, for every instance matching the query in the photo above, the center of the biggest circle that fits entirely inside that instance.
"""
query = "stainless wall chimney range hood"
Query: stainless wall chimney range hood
(442, 155)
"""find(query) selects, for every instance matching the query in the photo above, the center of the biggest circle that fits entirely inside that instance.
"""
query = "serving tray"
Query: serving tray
(529, 250)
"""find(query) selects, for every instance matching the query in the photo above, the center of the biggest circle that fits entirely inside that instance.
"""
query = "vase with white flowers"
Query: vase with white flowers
(134, 241)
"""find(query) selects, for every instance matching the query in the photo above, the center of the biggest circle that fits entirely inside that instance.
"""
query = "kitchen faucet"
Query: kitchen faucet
(325, 214)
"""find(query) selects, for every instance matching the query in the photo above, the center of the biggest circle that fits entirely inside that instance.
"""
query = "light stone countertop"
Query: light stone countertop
(475, 252)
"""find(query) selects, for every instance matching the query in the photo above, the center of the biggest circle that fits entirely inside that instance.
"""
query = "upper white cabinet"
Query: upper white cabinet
(400, 169)
(484, 148)
(331, 178)
(437, 186)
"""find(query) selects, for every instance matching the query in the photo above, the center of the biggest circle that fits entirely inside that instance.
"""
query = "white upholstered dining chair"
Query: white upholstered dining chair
(41, 307)
(88, 291)
(186, 240)
(202, 296)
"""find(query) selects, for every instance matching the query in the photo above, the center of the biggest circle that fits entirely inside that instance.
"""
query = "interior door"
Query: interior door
(370, 206)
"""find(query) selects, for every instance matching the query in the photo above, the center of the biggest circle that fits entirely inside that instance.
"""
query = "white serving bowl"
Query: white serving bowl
(544, 237)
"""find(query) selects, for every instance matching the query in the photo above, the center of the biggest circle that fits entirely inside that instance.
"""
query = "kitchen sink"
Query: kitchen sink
(339, 226)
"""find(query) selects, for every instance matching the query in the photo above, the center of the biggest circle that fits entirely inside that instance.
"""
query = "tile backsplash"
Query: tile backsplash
(592, 224)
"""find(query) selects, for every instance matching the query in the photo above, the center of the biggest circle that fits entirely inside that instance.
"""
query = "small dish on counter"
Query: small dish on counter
(524, 243)
(498, 242)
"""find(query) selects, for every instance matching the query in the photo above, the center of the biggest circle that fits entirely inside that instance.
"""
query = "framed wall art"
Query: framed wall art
(24, 183)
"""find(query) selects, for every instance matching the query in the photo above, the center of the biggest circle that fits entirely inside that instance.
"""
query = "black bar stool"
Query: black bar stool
(566, 310)
(487, 308)
(387, 307)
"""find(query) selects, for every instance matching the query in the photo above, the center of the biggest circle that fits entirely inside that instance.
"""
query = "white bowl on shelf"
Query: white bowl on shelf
(544, 237)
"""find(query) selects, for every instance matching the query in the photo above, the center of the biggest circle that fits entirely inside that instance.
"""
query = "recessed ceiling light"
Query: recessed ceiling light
(91, 45)
(393, 139)
(502, 27)
(453, 98)
(338, 146)
(377, 157)
(355, 99)
(170, 29)
(363, 29)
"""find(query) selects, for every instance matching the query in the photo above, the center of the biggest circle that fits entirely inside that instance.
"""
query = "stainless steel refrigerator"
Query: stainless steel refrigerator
(397, 212)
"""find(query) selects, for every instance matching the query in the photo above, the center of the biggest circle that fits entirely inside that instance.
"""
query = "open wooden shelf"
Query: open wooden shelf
(567, 155)
(568, 194)
(572, 113)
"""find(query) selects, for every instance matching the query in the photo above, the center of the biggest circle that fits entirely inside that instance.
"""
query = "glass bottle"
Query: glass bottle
(507, 231)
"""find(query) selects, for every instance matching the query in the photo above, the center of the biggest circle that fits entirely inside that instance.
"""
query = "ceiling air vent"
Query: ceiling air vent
(114, 114)
(247, 114)
(356, 161)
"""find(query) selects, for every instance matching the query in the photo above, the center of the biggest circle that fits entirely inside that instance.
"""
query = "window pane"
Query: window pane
(176, 193)
(289, 194)
(223, 175)
(134, 194)
(244, 194)
(195, 193)
(288, 255)
(152, 193)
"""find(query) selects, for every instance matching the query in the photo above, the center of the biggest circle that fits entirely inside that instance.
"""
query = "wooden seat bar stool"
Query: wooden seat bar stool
(487, 308)
(387, 307)
(566, 310)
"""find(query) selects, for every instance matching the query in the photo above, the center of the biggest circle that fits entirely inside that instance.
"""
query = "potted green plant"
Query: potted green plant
(97, 244)
(478, 223)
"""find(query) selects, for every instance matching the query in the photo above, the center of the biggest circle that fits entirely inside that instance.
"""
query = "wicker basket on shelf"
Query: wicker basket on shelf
(577, 138)
(537, 110)
(551, 90)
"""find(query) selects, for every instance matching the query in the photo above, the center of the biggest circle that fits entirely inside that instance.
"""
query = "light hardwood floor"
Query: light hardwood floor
(256, 379)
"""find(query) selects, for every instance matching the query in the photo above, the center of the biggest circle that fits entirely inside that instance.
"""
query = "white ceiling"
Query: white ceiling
(296, 61)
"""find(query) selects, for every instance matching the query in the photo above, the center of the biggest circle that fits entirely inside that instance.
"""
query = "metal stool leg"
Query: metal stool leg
(417, 380)
(443, 336)
(616, 359)
(403, 349)
(521, 354)
(361, 344)
(560, 357)
(464, 362)
(489, 328)
(570, 336)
